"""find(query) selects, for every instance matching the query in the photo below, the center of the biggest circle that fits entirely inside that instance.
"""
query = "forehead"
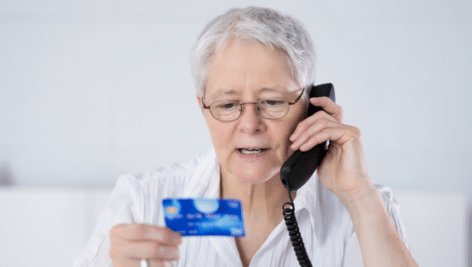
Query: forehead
(248, 67)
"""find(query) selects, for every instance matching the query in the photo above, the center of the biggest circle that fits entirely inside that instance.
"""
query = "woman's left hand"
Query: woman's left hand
(343, 170)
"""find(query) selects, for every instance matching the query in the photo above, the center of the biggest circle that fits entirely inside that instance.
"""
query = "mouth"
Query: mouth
(251, 151)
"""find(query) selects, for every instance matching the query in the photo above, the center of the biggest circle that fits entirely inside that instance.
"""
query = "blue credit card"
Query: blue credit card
(204, 216)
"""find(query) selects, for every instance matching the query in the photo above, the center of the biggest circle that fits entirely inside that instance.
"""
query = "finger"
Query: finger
(147, 232)
(315, 140)
(158, 263)
(329, 106)
(315, 128)
(308, 122)
(126, 262)
(148, 250)
(336, 135)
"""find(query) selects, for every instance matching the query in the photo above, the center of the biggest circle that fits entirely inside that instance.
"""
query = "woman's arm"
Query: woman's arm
(380, 242)
(344, 172)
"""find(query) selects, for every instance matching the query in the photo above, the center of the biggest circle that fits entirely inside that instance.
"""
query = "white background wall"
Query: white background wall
(93, 89)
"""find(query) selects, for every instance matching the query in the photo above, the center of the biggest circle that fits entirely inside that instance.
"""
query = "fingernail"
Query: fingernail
(167, 264)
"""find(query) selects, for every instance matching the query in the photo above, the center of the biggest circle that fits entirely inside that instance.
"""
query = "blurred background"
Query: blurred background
(90, 90)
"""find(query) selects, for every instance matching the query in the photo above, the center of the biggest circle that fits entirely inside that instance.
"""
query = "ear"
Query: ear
(199, 100)
(200, 104)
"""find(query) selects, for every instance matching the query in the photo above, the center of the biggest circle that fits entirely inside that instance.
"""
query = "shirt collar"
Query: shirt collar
(205, 181)
(307, 197)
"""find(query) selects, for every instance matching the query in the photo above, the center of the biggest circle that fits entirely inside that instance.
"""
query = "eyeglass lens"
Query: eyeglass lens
(228, 110)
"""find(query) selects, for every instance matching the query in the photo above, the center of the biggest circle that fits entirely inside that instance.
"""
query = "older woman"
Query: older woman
(244, 59)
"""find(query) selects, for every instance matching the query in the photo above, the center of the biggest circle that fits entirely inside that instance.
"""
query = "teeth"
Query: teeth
(251, 150)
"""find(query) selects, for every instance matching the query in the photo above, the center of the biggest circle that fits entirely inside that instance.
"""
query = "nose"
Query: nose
(250, 121)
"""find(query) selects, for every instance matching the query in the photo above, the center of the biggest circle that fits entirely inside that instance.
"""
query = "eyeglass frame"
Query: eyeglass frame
(257, 105)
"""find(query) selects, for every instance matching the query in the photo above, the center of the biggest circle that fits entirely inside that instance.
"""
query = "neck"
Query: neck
(262, 210)
(261, 202)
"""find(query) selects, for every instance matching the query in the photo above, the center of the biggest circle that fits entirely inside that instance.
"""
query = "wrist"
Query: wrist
(362, 203)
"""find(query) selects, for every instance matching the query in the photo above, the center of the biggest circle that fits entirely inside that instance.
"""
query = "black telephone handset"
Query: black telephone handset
(299, 167)
(296, 171)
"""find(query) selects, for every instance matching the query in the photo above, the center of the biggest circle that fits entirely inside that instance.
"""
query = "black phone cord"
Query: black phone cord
(294, 233)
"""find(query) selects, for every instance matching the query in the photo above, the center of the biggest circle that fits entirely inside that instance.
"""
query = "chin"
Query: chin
(254, 176)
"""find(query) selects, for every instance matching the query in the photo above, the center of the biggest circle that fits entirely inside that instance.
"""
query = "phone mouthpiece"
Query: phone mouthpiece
(300, 166)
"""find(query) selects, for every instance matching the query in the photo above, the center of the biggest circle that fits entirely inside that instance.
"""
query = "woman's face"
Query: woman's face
(247, 72)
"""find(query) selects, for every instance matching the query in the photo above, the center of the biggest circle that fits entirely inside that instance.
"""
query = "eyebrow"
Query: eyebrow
(235, 92)
(226, 92)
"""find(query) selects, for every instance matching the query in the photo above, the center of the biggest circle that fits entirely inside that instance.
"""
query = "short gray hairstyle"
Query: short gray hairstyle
(267, 26)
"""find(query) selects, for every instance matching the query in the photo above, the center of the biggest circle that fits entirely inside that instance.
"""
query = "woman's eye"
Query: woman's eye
(229, 105)
(272, 102)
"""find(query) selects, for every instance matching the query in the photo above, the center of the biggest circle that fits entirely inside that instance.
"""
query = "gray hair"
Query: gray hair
(267, 26)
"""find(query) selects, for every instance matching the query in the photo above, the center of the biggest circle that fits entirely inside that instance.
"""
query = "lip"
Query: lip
(252, 156)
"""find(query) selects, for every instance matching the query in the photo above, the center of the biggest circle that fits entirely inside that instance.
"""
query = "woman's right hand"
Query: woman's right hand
(131, 243)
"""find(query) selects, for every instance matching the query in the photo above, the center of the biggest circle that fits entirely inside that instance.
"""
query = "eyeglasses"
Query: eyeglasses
(269, 108)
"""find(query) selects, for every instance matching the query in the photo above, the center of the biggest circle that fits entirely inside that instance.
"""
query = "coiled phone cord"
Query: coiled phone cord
(294, 233)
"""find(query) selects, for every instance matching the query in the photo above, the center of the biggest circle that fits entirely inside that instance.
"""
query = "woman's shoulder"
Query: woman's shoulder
(170, 180)
(175, 173)
(141, 192)
(337, 210)
(387, 194)
(326, 196)
(333, 210)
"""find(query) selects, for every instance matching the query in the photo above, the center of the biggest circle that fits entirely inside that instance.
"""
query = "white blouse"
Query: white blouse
(325, 224)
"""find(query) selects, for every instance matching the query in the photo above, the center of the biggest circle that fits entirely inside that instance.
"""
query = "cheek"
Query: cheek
(286, 129)
(220, 133)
